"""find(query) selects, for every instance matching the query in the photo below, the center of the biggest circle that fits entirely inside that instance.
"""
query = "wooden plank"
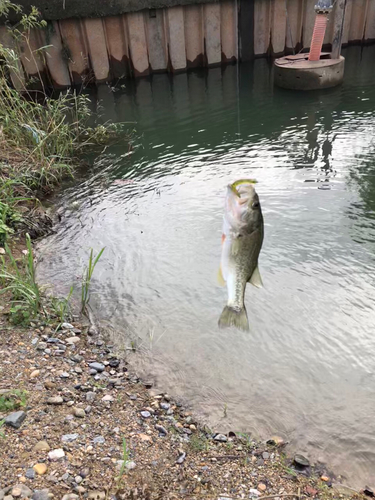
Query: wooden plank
(156, 42)
(278, 26)
(262, 25)
(308, 22)
(357, 23)
(194, 39)
(176, 39)
(370, 21)
(97, 48)
(137, 43)
(212, 34)
(347, 21)
(56, 58)
(75, 44)
(246, 29)
(117, 45)
(294, 23)
(229, 31)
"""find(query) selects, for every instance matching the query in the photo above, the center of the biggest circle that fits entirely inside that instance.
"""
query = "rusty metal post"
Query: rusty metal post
(338, 28)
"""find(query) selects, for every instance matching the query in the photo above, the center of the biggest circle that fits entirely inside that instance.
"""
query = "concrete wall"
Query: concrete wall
(176, 37)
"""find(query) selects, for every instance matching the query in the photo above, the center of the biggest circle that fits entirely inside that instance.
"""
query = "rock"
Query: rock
(325, 478)
(30, 474)
(48, 384)
(165, 406)
(72, 340)
(181, 458)
(301, 460)
(88, 409)
(98, 440)
(276, 441)
(69, 438)
(78, 479)
(99, 367)
(41, 495)
(70, 496)
(84, 472)
(8, 497)
(368, 492)
(130, 465)
(145, 414)
(114, 363)
(254, 493)
(262, 487)
(64, 375)
(309, 490)
(41, 346)
(96, 495)
(79, 412)
(15, 419)
(67, 326)
(92, 371)
(21, 491)
(56, 454)
(41, 446)
(265, 455)
(34, 374)
(161, 429)
(53, 340)
(90, 396)
(221, 437)
(78, 370)
(40, 469)
(55, 400)
(108, 398)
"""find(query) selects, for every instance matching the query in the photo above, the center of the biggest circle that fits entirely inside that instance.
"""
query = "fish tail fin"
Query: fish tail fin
(234, 317)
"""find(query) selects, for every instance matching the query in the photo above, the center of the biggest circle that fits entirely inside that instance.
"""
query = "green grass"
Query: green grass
(199, 442)
(42, 138)
(18, 279)
(2, 422)
(13, 400)
(86, 279)
(125, 461)
(60, 307)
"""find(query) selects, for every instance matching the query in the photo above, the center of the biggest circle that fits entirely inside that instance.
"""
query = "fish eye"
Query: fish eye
(255, 204)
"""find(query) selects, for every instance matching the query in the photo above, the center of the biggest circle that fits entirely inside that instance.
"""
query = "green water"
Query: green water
(306, 370)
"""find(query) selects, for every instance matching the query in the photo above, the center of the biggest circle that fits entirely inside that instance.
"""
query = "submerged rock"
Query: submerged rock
(301, 460)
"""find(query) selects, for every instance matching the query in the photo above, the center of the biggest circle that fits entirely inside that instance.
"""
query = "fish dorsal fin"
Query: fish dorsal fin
(255, 279)
(220, 277)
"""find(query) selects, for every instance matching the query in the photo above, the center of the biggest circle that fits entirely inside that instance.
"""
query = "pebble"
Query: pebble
(15, 419)
(161, 429)
(262, 487)
(92, 371)
(64, 375)
(48, 384)
(69, 438)
(34, 373)
(41, 346)
(21, 491)
(55, 400)
(41, 495)
(221, 437)
(108, 398)
(41, 446)
(276, 441)
(96, 495)
(72, 340)
(88, 409)
(40, 469)
(78, 479)
(56, 454)
(181, 458)
(130, 465)
(67, 326)
(99, 367)
(301, 460)
(114, 363)
(265, 455)
(79, 412)
(254, 493)
(70, 496)
(368, 492)
(78, 370)
(98, 440)
(90, 396)
(30, 474)
(165, 406)
(145, 414)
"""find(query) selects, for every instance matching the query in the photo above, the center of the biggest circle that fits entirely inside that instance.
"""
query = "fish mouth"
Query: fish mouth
(241, 182)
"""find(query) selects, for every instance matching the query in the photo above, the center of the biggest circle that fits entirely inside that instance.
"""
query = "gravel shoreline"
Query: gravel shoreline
(82, 426)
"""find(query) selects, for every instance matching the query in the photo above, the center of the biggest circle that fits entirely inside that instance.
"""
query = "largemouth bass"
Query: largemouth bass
(241, 241)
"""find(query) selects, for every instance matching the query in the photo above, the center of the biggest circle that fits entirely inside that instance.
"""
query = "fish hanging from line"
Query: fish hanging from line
(241, 241)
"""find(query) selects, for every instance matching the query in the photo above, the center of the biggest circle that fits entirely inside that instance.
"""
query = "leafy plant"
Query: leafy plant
(86, 279)
(13, 400)
(2, 422)
(20, 281)
(61, 307)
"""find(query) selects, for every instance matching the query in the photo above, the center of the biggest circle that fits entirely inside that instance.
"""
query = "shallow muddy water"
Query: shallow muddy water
(306, 370)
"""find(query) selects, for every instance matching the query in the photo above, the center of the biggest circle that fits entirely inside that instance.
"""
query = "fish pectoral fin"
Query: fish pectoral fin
(255, 279)
(220, 277)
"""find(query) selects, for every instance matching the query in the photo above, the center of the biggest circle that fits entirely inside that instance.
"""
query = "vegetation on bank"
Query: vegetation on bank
(42, 137)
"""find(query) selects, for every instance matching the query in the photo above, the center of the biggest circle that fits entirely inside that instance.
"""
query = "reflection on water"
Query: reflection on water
(306, 370)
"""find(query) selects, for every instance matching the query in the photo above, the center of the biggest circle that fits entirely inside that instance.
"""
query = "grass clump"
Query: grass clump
(13, 400)
(86, 279)
(42, 137)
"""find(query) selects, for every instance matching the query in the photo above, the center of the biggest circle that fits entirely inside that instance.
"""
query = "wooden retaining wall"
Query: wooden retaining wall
(177, 38)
